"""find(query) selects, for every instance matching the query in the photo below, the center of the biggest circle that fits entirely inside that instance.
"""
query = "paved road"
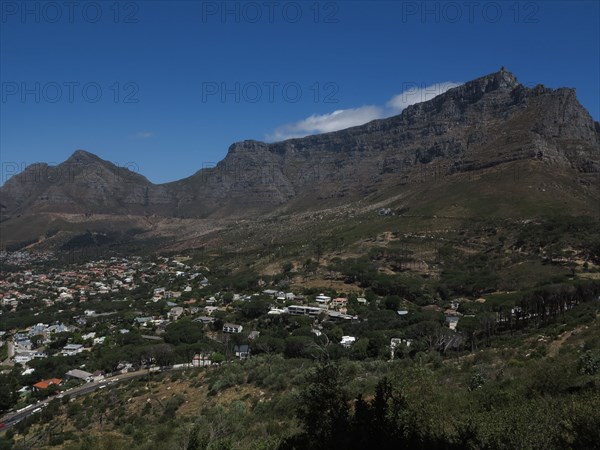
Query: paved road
(15, 417)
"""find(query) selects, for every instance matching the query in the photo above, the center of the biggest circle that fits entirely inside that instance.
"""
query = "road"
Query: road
(15, 417)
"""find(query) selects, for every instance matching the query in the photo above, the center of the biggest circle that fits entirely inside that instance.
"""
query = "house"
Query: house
(242, 351)
(72, 349)
(201, 360)
(79, 374)
(452, 321)
(22, 342)
(210, 309)
(299, 310)
(322, 298)
(340, 301)
(175, 313)
(22, 358)
(38, 329)
(59, 328)
(142, 320)
(10, 302)
(361, 300)
(205, 320)
(347, 341)
(336, 315)
(45, 384)
(232, 328)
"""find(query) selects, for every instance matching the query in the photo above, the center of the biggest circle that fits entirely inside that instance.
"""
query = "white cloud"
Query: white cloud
(413, 94)
(346, 118)
(144, 134)
(337, 120)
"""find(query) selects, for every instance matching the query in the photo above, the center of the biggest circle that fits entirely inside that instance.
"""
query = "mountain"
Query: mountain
(489, 146)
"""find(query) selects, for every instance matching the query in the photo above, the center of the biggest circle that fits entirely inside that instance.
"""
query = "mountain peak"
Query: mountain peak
(80, 156)
(501, 80)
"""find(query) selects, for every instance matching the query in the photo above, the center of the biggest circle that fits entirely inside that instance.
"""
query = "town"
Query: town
(65, 326)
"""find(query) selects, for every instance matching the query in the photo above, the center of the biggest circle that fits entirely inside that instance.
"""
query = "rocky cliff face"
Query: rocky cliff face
(486, 122)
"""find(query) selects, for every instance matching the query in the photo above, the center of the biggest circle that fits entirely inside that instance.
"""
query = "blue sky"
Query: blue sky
(166, 87)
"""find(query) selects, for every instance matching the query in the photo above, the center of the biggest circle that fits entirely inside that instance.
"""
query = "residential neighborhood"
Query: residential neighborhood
(67, 326)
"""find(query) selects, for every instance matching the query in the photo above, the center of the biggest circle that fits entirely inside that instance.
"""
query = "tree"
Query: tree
(8, 394)
(268, 345)
(227, 298)
(392, 302)
(297, 346)
(217, 358)
(323, 409)
(360, 348)
(184, 332)
(254, 308)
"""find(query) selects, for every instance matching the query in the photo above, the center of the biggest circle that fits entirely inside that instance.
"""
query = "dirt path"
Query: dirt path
(555, 345)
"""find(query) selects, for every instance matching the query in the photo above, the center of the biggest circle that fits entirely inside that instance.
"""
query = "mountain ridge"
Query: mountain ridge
(490, 122)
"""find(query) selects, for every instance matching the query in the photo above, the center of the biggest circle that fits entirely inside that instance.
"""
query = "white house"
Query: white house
(300, 310)
(175, 312)
(322, 298)
(347, 341)
(232, 328)
(72, 349)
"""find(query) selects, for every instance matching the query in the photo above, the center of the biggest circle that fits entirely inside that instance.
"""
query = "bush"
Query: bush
(589, 363)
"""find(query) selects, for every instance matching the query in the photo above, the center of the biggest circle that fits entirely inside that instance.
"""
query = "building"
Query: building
(205, 320)
(79, 374)
(201, 360)
(142, 320)
(322, 298)
(242, 351)
(347, 341)
(452, 321)
(232, 328)
(335, 315)
(300, 310)
(72, 349)
(175, 312)
(45, 384)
